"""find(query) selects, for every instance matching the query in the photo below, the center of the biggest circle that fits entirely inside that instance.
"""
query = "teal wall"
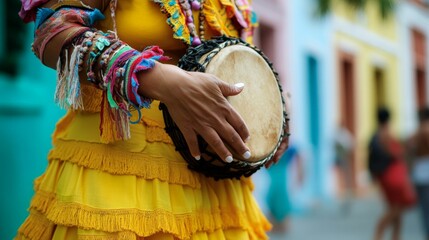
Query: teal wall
(27, 120)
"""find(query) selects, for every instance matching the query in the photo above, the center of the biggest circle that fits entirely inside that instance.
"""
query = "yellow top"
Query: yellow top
(141, 24)
(141, 188)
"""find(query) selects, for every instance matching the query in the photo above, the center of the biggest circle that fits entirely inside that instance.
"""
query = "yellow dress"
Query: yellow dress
(139, 188)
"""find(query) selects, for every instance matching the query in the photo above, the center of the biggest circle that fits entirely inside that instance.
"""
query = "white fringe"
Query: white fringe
(68, 93)
(74, 96)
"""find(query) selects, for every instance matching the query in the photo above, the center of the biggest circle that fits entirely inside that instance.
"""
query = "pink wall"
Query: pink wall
(271, 34)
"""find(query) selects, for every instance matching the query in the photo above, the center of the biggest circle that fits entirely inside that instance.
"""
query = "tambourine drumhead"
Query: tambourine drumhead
(260, 103)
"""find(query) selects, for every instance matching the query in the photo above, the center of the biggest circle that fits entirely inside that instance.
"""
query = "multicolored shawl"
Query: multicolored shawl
(239, 9)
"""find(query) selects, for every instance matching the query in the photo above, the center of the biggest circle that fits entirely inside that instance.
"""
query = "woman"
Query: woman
(278, 196)
(387, 166)
(110, 179)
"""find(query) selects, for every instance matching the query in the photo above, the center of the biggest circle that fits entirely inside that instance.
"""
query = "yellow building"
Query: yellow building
(367, 73)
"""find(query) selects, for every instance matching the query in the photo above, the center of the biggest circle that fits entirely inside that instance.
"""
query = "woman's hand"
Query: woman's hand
(196, 102)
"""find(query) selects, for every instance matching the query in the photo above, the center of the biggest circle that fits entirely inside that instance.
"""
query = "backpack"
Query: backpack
(379, 158)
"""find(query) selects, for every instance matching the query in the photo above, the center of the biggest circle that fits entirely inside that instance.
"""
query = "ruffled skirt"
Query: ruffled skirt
(135, 189)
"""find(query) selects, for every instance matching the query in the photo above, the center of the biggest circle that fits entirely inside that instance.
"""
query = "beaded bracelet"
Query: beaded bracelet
(100, 45)
(109, 64)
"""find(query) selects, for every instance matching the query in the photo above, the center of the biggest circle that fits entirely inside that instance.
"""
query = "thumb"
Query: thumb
(229, 89)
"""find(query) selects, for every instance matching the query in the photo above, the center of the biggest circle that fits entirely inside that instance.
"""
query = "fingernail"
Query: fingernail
(247, 155)
(229, 159)
(198, 157)
(247, 139)
(239, 85)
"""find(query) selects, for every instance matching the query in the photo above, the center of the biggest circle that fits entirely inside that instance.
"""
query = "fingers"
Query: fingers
(238, 124)
(213, 139)
(192, 142)
(280, 150)
(230, 90)
(217, 138)
(231, 137)
(268, 164)
(201, 109)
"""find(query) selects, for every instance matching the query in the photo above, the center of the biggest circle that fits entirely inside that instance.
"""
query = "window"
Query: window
(13, 36)
(313, 99)
(420, 71)
(380, 98)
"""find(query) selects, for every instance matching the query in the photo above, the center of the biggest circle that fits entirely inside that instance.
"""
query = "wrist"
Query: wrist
(149, 82)
(155, 83)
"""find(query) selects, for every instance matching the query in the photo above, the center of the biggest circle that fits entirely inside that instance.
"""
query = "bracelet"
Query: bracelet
(108, 63)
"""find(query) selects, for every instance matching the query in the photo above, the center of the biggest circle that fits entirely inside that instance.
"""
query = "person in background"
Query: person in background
(387, 167)
(344, 144)
(278, 200)
(418, 146)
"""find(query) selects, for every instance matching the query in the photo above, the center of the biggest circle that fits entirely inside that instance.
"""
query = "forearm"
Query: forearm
(65, 39)
(55, 44)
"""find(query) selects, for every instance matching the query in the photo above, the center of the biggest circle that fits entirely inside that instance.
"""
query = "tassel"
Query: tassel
(68, 92)
(74, 96)
(61, 88)
(115, 122)
(113, 5)
(107, 128)
(123, 122)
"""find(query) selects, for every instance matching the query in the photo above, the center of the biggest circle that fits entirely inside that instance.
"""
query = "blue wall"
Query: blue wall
(27, 119)
(312, 85)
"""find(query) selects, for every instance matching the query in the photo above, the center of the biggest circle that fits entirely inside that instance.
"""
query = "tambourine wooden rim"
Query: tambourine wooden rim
(191, 62)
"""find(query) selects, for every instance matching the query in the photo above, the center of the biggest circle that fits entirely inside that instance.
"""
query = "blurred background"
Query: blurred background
(338, 59)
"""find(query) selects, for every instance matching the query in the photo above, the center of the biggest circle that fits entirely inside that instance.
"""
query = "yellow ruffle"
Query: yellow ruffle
(91, 98)
(36, 226)
(155, 132)
(78, 197)
(170, 168)
(47, 230)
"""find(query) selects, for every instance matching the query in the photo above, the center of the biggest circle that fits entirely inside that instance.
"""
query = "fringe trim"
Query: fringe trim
(175, 19)
(218, 22)
(155, 132)
(109, 129)
(115, 161)
(118, 236)
(68, 90)
(152, 123)
(115, 236)
(36, 226)
(143, 223)
(92, 98)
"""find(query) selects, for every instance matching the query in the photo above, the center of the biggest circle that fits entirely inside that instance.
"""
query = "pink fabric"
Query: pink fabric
(238, 14)
(29, 8)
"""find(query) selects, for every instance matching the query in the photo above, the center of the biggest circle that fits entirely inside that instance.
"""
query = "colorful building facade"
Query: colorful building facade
(367, 75)
(413, 34)
(341, 68)
(310, 78)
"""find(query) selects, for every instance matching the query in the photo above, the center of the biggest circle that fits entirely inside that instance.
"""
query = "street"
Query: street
(330, 223)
